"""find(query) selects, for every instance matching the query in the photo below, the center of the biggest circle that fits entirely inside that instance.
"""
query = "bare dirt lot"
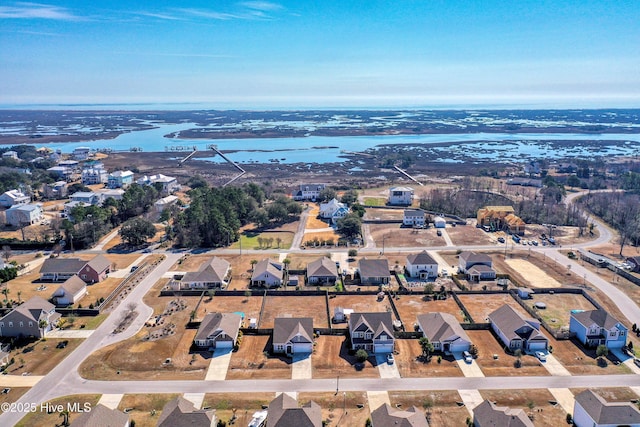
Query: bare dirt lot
(504, 365)
(410, 306)
(542, 412)
(331, 358)
(358, 303)
(303, 306)
(618, 394)
(408, 352)
(39, 357)
(250, 306)
(444, 411)
(532, 274)
(580, 361)
(559, 307)
(465, 235)
(395, 236)
(341, 409)
(481, 305)
(252, 362)
(145, 409)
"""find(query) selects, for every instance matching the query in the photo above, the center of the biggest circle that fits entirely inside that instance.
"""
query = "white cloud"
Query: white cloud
(261, 5)
(37, 11)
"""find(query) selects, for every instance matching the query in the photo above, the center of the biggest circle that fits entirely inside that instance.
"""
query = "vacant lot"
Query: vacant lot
(312, 306)
(384, 214)
(43, 418)
(504, 365)
(334, 405)
(276, 239)
(580, 361)
(145, 409)
(318, 238)
(533, 275)
(331, 358)
(98, 290)
(392, 235)
(300, 261)
(465, 235)
(250, 306)
(444, 411)
(410, 306)
(40, 357)
(480, 306)
(542, 412)
(245, 404)
(359, 304)
(408, 352)
(559, 307)
(22, 288)
(252, 361)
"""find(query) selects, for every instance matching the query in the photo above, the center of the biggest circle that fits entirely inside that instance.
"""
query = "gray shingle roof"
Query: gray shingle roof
(473, 257)
(99, 263)
(376, 322)
(387, 416)
(286, 328)
(218, 323)
(101, 416)
(509, 321)
(34, 307)
(180, 412)
(423, 258)
(609, 413)
(322, 267)
(441, 326)
(268, 265)
(374, 267)
(600, 317)
(73, 285)
(62, 265)
(213, 271)
(284, 412)
(489, 415)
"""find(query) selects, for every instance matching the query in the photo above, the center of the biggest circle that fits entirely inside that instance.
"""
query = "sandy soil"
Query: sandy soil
(480, 306)
(543, 413)
(410, 306)
(252, 362)
(532, 274)
(445, 412)
(331, 358)
(306, 306)
(410, 365)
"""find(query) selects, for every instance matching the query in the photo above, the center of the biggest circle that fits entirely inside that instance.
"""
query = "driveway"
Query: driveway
(468, 369)
(471, 399)
(377, 398)
(219, 365)
(384, 369)
(626, 359)
(301, 367)
(554, 367)
(70, 333)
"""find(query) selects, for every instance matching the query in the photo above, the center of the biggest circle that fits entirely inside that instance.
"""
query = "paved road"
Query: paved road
(302, 225)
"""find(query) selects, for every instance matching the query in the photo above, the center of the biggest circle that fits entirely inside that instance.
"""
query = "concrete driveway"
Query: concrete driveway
(554, 367)
(470, 370)
(386, 370)
(301, 367)
(219, 364)
(471, 399)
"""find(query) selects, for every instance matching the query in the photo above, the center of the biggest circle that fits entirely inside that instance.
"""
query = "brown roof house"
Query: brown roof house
(293, 335)
(591, 410)
(388, 416)
(35, 317)
(180, 412)
(322, 271)
(487, 414)
(101, 416)
(374, 271)
(501, 218)
(477, 266)
(517, 332)
(218, 330)
(268, 274)
(284, 412)
(70, 292)
(444, 332)
(372, 332)
(60, 269)
(215, 273)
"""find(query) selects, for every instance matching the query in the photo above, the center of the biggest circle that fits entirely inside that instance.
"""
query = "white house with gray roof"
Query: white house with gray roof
(516, 331)
(218, 330)
(268, 274)
(388, 416)
(444, 332)
(372, 332)
(24, 320)
(284, 412)
(374, 271)
(591, 410)
(70, 292)
(488, 414)
(478, 266)
(309, 192)
(401, 196)
(293, 335)
(414, 217)
(322, 271)
(21, 215)
(215, 273)
(13, 198)
(422, 265)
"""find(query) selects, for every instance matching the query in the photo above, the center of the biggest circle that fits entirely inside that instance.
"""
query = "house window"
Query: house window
(21, 324)
(31, 324)
(368, 335)
(621, 333)
(612, 333)
(11, 324)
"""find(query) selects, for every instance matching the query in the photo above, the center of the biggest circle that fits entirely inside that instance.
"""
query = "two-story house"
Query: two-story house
(402, 196)
(309, 192)
(596, 327)
(333, 210)
(477, 266)
(268, 274)
(372, 332)
(374, 271)
(414, 218)
(21, 215)
(94, 174)
(34, 318)
(421, 265)
(120, 179)
(293, 335)
(13, 198)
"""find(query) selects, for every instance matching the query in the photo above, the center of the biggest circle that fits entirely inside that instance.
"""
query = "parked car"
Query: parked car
(439, 233)
(541, 356)
(501, 239)
(62, 344)
(467, 357)
(390, 359)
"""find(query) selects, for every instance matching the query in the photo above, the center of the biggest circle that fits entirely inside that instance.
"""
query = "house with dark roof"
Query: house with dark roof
(444, 332)
(487, 414)
(284, 412)
(58, 269)
(25, 320)
(180, 412)
(372, 332)
(101, 416)
(596, 327)
(293, 335)
(591, 410)
(70, 292)
(268, 274)
(308, 192)
(218, 330)
(477, 266)
(215, 273)
(388, 416)
(322, 271)
(414, 218)
(421, 265)
(517, 332)
(374, 271)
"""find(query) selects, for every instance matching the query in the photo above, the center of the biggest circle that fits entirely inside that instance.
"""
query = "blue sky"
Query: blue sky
(321, 53)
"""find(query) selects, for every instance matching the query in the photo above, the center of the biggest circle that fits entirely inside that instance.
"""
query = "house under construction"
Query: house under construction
(494, 218)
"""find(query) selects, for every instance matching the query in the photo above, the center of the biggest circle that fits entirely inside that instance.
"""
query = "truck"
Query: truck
(551, 240)
(516, 238)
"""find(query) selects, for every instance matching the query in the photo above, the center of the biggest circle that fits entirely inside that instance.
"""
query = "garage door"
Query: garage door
(224, 344)
(541, 345)
(383, 348)
(459, 348)
(302, 348)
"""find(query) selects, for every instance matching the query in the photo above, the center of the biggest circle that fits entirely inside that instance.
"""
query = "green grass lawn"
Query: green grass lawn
(250, 240)
(375, 201)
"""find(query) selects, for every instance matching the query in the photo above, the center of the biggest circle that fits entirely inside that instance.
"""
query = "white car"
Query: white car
(541, 356)
(467, 357)
(390, 359)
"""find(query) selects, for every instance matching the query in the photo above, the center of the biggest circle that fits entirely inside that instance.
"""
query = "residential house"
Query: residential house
(284, 412)
(477, 266)
(62, 172)
(439, 222)
(94, 174)
(421, 265)
(374, 271)
(388, 416)
(634, 262)
(101, 416)
(70, 292)
(515, 225)
(268, 274)
(591, 410)
(120, 179)
(517, 332)
(598, 327)
(401, 196)
(444, 332)
(322, 271)
(168, 184)
(501, 218)
(115, 194)
(372, 332)
(487, 414)
(25, 320)
(218, 330)
(215, 273)
(58, 269)
(87, 197)
(57, 190)
(164, 203)
(12, 155)
(21, 215)
(181, 412)
(414, 218)
(13, 198)
(81, 153)
(293, 335)
(333, 210)
(309, 192)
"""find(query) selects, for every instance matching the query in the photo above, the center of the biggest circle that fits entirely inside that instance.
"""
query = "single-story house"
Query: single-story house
(21, 215)
(372, 332)
(400, 196)
(284, 412)
(439, 222)
(268, 274)
(70, 292)
(13, 198)
(322, 271)
(24, 320)
(477, 266)
(309, 192)
(374, 271)
(517, 332)
(421, 265)
(388, 416)
(218, 330)
(487, 414)
(181, 412)
(58, 269)
(596, 327)
(293, 335)
(215, 273)
(414, 217)
(444, 332)
(100, 416)
(591, 410)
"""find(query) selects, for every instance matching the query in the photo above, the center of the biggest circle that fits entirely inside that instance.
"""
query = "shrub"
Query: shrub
(352, 252)
(362, 355)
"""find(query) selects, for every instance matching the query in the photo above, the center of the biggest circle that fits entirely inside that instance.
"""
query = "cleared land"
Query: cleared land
(532, 274)
(334, 406)
(395, 236)
(559, 306)
(331, 358)
(535, 403)
(301, 306)
(444, 411)
(410, 306)
(618, 394)
(465, 235)
(252, 361)
(359, 304)
(250, 306)
(39, 357)
(480, 306)
(245, 405)
(145, 409)
(44, 418)
(408, 352)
